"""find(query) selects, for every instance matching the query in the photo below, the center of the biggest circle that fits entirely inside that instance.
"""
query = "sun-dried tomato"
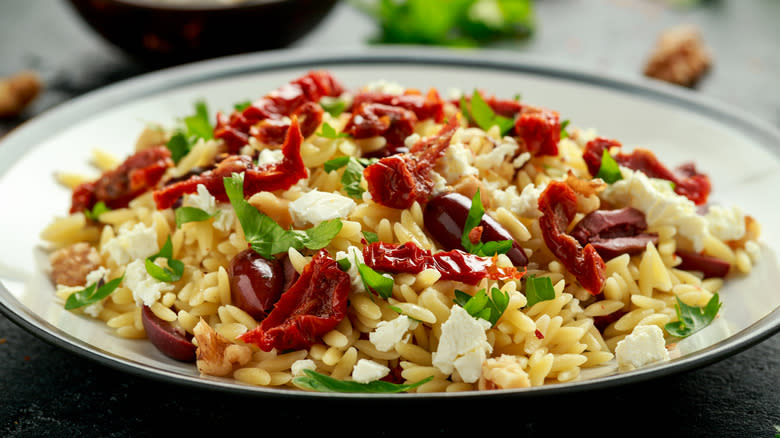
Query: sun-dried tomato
(558, 204)
(377, 119)
(274, 131)
(540, 130)
(234, 130)
(687, 180)
(269, 177)
(117, 187)
(430, 106)
(399, 180)
(456, 265)
(314, 305)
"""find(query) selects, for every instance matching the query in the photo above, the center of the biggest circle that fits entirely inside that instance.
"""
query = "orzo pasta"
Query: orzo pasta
(387, 239)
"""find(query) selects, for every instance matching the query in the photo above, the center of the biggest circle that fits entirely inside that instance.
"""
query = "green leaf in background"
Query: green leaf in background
(322, 383)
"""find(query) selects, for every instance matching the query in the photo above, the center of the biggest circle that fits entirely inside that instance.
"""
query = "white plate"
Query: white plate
(740, 155)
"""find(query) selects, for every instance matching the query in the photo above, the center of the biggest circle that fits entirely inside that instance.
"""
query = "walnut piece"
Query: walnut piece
(503, 372)
(70, 265)
(17, 91)
(216, 355)
(679, 57)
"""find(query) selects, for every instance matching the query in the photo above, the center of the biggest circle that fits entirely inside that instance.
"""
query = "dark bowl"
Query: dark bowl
(165, 32)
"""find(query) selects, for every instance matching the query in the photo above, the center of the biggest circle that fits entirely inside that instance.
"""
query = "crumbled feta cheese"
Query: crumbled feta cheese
(303, 364)
(725, 223)
(458, 159)
(660, 204)
(269, 156)
(367, 370)
(525, 204)
(645, 345)
(355, 257)
(388, 333)
(314, 207)
(439, 183)
(136, 242)
(99, 273)
(145, 288)
(463, 345)
(224, 216)
(385, 86)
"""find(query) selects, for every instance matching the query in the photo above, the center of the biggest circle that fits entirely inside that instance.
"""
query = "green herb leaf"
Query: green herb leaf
(564, 133)
(538, 289)
(484, 116)
(370, 236)
(344, 264)
(480, 305)
(322, 383)
(374, 281)
(191, 214)
(609, 170)
(90, 295)
(330, 132)
(179, 146)
(333, 105)
(267, 237)
(99, 208)
(473, 219)
(175, 268)
(353, 173)
(241, 106)
(336, 163)
(198, 124)
(691, 319)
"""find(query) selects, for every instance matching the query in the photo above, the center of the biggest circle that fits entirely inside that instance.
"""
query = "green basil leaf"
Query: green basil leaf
(691, 319)
(174, 270)
(198, 124)
(375, 281)
(353, 173)
(322, 383)
(90, 295)
(320, 235)
(370, 236)
(344, 264)
(609, 170)
(333, 105)
(241, 106)
(564, 133)
(336, 163)
(538, 289)
(99, 208)
(191, 214)
(473, 219)
(179, 146)
(484, 116)
(330, 132)
(480, 305)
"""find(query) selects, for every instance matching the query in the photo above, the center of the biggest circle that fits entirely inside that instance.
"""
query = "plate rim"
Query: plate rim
(12, 148)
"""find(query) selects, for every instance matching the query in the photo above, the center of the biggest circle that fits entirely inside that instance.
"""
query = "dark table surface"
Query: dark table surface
(47, 391)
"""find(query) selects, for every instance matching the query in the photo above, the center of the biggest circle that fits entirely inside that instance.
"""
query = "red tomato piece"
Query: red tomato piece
(425, 107)
(540, 130)
(558, 204)
(117, 187)
(376, 119)
(313, 306)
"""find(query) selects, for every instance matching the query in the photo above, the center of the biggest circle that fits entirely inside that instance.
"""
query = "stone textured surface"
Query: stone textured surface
(47, 391)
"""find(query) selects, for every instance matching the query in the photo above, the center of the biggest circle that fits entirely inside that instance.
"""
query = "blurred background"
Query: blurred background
(54, 50)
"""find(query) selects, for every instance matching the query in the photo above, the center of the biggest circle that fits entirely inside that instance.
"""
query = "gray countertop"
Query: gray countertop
(47, 391)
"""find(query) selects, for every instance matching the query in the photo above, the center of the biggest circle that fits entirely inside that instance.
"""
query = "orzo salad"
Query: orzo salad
(390, 239)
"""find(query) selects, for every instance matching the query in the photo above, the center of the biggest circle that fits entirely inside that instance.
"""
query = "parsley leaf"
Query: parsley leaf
(320, 382)
(473, 219)
(538, 289)
(480, 112)
(267, 237)
(370, 236)
(195, 127)
(330, 132)
(374, 281)
(691, 319)
(191, 214)
(609, 170)
(353, 173)
(480, 305)
(333, 105)
(99, 208)
(241, 106)
(175, 268)
(564, 133)
(91, 294)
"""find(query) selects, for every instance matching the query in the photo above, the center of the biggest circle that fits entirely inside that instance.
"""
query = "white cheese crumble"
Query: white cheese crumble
(355, 256)
(660, 204)
(145, 288)
(385, 86)
(500, 153)
(302, 364)
(136, 242)
(458, 159)
(269, 156)
(463, 345)
(367, 370)
(202, 199)
(388, 333)
(645, 345)
(725, 223)
(315, 207)
(524, 204)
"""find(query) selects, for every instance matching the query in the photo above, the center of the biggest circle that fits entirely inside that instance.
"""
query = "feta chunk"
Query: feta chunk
(202, 199)
(355, 257)
(136, 242)
(463, 345)
(645, 345)
(458, 159)
(302, 364)
(145, 288)
(500, 153)
(725, 223)
(524, 204)
(269, 156)
(385, 86)
(315, 207)
(388, 333)
(367, 370)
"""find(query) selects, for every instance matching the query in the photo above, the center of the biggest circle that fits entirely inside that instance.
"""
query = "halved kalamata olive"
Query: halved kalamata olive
(445, 216)
(256, 283)
(707, 265)
(614, 232)
(171, 340)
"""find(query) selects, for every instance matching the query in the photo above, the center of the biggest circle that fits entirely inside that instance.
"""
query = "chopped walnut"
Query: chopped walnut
(216, 355)
(70, 265)
(503, 372)
(679, 57)
(17, 91)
